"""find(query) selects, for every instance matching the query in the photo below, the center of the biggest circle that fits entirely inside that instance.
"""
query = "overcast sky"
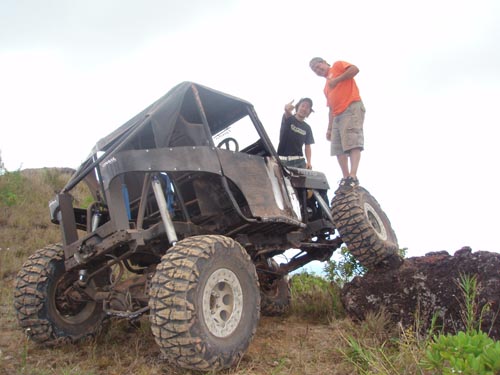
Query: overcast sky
(73, 71)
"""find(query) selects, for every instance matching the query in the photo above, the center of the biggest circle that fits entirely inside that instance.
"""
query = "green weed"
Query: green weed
(11, 184)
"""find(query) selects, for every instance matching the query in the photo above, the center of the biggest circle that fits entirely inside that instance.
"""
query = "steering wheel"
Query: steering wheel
(227, 143)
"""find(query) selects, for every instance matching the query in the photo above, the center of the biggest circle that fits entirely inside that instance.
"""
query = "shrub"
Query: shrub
(464, 353)
(343, 270)
(315, 298)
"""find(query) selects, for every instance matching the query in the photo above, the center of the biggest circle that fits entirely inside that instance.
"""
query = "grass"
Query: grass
(315, 299)
(315, 338)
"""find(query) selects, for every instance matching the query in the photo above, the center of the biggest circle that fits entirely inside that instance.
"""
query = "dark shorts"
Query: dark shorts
(347, 131)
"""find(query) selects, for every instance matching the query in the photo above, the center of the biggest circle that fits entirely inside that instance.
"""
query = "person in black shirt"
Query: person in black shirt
(295, 133)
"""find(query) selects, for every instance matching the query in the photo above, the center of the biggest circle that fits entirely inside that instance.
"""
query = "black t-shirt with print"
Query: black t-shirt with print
(293, 135)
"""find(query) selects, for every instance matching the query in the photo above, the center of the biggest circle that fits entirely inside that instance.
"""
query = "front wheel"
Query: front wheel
(365, 229)
(205, 303)
(45, 304)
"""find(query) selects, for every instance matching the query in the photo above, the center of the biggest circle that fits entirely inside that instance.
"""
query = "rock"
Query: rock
(428, 285)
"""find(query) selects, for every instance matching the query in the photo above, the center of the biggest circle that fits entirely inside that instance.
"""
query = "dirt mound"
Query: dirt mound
(430, 285)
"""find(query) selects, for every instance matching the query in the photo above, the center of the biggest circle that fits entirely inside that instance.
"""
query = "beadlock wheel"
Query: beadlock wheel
(222, 302)
(204, 303)
(365, 229)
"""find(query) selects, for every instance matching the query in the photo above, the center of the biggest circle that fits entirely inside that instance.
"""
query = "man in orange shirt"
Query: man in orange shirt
(346, 117)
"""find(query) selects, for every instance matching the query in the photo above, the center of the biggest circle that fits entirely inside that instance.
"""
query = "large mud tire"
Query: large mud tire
(276, 300)
(205, 303)
(47, 316)
(365, 229)
(275, 294)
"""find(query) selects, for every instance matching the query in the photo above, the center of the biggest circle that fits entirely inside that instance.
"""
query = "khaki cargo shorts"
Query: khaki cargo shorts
(347, 131)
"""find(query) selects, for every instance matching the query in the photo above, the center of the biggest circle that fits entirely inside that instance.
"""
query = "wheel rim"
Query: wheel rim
(222, 302)
(69, 311)
(375, 221)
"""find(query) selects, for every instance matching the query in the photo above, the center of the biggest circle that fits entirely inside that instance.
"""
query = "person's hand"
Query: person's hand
(332, 82)
(329, 135)
(289, 107)
(309, 166)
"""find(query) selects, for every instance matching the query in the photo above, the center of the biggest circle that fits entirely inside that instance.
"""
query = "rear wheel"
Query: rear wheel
(205, 303)
(44, 304)
(275, 293)
(365, 229)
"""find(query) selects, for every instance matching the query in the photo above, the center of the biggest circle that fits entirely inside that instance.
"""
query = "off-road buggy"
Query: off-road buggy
(191, 206)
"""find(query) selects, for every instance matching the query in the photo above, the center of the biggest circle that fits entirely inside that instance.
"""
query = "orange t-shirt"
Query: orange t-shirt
(346, 92)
